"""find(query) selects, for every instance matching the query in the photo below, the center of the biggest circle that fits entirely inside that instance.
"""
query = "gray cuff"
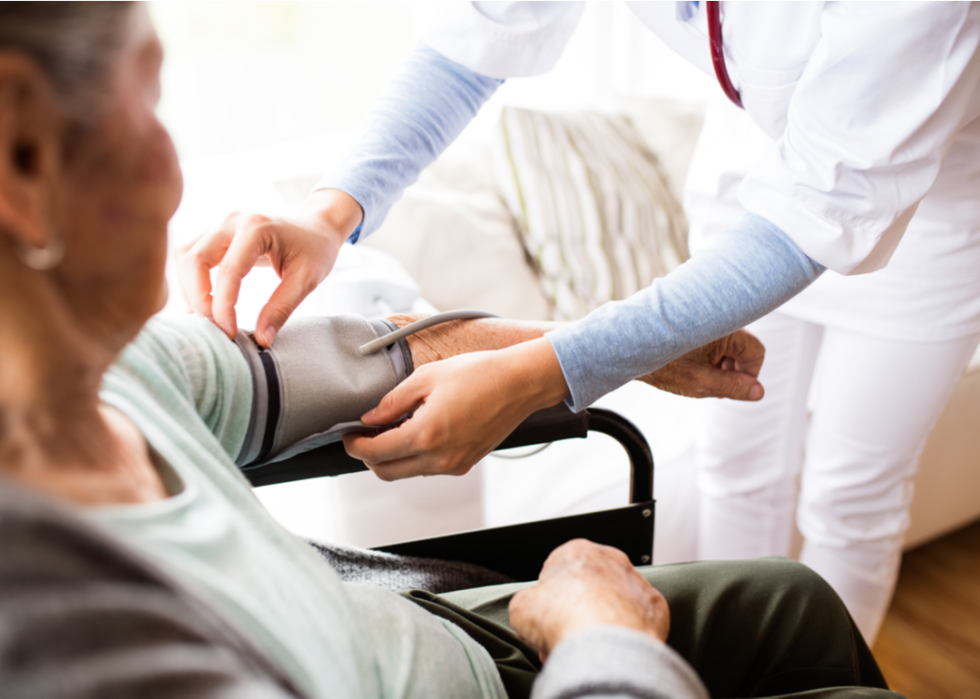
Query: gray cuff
(398, 352)
(313, 385)
(613, 661)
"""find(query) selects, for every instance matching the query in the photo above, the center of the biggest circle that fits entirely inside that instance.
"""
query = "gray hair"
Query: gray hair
(74, 43)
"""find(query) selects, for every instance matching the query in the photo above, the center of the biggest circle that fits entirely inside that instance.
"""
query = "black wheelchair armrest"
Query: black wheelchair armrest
(518, 550)
(548, 425)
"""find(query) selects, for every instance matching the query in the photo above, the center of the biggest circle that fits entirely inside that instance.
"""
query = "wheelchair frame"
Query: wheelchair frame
(519, 550)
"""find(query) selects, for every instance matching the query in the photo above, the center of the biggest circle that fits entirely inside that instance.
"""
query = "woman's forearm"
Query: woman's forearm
(463, 336)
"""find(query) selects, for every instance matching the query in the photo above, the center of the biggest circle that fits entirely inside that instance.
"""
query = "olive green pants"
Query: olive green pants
(765, 628)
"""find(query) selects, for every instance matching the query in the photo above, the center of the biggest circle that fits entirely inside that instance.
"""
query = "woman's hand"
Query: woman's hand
(461, 409)
(726, 368)
(302, 250)
(583, 585)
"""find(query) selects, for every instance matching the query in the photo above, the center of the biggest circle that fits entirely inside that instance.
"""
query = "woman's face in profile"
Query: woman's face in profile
(120, 185)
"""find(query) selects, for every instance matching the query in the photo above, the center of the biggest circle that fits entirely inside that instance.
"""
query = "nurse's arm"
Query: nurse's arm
(724, 368)
(463, 407)
(424, 108)
(466, 401)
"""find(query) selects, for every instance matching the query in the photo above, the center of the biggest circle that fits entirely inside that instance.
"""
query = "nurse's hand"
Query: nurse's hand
(302, 249)
(462, 408)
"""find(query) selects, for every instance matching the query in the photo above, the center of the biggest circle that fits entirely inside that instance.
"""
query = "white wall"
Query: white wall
(240, 76)
(245, 75)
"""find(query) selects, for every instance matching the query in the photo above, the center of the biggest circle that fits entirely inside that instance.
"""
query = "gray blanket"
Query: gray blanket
(394, 572)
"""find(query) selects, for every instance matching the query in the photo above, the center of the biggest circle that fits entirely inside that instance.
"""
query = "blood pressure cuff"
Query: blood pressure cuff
(311, 388)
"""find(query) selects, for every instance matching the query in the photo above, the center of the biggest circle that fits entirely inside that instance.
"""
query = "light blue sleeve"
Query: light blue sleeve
(424, 108)
(749, 271)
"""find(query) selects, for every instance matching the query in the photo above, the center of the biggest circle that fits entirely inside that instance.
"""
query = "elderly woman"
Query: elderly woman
(135, 560)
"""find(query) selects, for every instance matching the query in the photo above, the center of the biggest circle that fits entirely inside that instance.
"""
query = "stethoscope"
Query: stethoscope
(717, 52)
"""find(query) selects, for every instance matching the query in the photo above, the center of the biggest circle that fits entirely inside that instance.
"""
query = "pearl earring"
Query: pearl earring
(44, 258)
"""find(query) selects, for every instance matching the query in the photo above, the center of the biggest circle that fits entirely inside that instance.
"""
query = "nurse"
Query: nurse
(866, 109)
(891, 346)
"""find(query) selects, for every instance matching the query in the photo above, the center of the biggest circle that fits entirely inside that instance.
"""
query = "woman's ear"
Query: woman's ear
(30, 152)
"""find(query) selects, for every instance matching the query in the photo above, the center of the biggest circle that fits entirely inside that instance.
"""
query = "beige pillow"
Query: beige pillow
(457, 238)
(595, 210)
(670, 129)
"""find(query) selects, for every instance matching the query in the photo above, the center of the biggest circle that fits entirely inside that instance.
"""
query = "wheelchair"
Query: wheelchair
(518, 551)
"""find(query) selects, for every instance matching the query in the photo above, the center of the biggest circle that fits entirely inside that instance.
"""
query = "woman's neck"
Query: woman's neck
(54, 434)
(80, 450)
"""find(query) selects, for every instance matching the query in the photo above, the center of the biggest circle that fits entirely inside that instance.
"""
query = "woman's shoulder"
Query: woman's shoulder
(189, 368)
(180, 352)
(64, 580)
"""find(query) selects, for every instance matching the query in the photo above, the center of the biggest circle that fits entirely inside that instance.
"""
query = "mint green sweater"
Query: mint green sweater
(189, 391)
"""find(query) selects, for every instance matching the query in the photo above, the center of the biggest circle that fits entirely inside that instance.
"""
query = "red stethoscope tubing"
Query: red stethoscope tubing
(718, 54)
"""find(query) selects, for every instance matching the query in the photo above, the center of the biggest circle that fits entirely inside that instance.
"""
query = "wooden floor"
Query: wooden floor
(929, 645)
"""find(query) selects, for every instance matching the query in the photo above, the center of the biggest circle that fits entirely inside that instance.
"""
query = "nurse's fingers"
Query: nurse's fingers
(393, 454)
(194, 262)
(376, 454)
(399, 469)
(417, 447)
(388, 447)
(252, 239)
(294, 287)
(402, 399)
(462, 409)
(302, 251)
(402, 452)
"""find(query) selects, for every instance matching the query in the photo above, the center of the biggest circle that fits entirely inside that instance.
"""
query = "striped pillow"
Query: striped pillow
(594, 210)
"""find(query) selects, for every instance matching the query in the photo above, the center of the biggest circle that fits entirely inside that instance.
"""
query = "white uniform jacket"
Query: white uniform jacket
(863, 102)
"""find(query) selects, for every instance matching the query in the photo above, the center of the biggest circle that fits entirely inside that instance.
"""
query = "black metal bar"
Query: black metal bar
(549, 425)
(329, 460)
(519, 550)
(636, 446)
(552, 424)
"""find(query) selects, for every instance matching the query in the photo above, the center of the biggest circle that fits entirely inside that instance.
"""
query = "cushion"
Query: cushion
(457, 238)
(595, 210)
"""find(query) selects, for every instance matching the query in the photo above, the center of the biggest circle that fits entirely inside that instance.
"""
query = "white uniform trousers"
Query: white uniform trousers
(875, 403)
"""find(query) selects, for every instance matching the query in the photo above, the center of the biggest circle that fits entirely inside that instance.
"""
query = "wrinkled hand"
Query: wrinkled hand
(582, 585)
(462, 408)
(725, 368)
(302, 250)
